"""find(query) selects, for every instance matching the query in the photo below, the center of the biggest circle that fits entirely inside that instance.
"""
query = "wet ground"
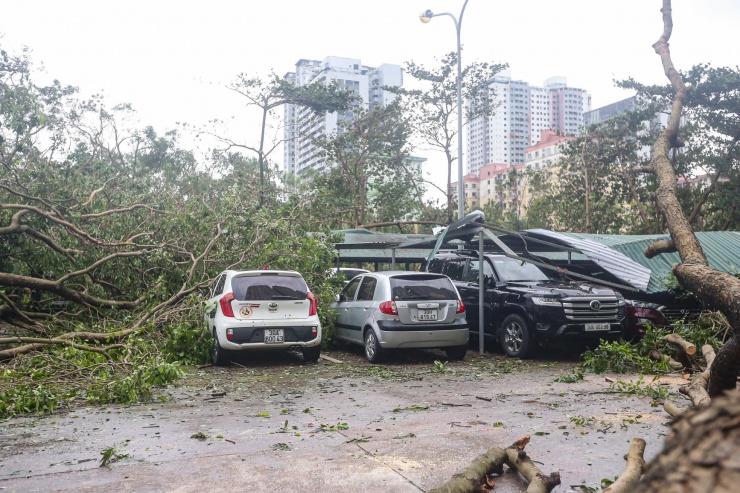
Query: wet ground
(271, 423)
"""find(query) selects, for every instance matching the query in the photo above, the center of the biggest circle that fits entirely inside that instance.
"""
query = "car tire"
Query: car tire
(311, 354)
(516, 337)
(373, 352)
(456, 353)
(219, 355)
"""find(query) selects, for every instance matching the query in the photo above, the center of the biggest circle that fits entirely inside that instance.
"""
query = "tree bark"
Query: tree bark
(632, 473)
(673, 409)
(713, 287)
(492, 461)
(697, 389)
(700, 453)
(675, 365)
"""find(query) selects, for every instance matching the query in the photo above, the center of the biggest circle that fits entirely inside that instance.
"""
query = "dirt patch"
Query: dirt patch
(271, 422)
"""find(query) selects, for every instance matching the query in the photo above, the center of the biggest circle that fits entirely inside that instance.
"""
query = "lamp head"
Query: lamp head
(426, 16)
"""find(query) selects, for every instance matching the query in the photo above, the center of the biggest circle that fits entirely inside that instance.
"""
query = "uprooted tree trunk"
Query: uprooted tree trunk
(492, 461)
(716, 288)
(701, 452)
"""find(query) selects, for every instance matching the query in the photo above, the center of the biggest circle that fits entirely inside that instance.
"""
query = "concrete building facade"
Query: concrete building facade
(523, 112)
(302, 127)
(491, 184)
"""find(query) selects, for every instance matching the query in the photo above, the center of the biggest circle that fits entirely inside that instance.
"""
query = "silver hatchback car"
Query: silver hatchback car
(399, 310)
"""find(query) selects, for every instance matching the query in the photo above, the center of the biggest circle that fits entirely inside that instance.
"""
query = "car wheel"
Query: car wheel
(311, 354)
(456, 353)
(516, 337)
(373, 351)
(219, 355)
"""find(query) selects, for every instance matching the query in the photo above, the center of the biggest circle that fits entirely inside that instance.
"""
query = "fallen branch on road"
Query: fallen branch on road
(492, 462)
(632, 473)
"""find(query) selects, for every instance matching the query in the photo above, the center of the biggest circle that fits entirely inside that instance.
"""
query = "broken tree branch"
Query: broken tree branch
(492, 461)
(658, 247)
(673, 409)
(677, 340)
(697, 389)
(675, 365)
(632, 473)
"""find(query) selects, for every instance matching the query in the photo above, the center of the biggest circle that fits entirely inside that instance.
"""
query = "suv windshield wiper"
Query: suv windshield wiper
(283, 297)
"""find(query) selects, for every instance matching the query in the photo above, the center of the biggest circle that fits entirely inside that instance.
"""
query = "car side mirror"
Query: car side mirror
(338, 298)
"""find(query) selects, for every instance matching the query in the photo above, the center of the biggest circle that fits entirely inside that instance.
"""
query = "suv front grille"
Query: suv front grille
(674, 313)
(582, 309)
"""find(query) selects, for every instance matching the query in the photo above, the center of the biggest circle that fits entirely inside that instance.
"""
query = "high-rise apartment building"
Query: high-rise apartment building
(599, 115)
(521, 114)
(302, 127)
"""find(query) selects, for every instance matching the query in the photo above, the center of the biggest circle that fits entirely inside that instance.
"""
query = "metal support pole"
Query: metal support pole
(481, 294)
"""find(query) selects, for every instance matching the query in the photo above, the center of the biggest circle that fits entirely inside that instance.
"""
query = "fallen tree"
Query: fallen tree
(713, 287)
(477, 475)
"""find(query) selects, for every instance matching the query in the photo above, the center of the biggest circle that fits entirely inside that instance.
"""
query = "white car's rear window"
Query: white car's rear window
(269, 287)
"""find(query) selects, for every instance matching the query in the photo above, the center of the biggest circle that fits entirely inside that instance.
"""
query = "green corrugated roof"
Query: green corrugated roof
(722, 249)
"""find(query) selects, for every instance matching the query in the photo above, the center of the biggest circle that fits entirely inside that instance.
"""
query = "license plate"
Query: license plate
(273, 336)
(427, 315)
(595, 327)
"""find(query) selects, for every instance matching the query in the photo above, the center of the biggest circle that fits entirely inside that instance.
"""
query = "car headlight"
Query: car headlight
(546, 300)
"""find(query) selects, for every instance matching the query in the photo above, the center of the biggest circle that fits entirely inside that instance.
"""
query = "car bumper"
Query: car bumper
(395, 335)
(254, 337)
(428, 339)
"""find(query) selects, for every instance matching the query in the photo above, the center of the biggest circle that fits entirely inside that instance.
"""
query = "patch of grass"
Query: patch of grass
(336, 427)
(362, 439)
(383, 373)
(630, 421)
(582, 420)
(413, 408)
(575, 376)
(641, 388)
(440, 367)
(111, 455)
(617, 357)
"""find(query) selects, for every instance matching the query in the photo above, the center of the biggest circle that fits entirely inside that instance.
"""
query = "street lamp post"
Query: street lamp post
(426, 17)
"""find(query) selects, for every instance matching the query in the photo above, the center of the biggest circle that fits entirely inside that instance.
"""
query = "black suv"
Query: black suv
(523, 307)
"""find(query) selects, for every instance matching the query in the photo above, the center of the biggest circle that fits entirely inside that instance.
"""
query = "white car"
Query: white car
(262, 310)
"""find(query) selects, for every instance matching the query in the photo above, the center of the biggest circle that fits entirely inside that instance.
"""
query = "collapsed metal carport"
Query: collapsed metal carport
(471, 233)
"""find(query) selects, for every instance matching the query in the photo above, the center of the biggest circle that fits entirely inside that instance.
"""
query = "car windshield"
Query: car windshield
(269, 287)
(509, 269)
(407, 288)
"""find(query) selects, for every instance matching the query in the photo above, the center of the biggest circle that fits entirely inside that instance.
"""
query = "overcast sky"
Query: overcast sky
(171, 59)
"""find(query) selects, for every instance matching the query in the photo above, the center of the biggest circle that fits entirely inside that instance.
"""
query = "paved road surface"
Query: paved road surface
(271, 423)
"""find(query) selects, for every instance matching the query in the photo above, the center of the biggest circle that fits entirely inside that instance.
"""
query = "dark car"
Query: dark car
(641, 314)
(523, 307)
